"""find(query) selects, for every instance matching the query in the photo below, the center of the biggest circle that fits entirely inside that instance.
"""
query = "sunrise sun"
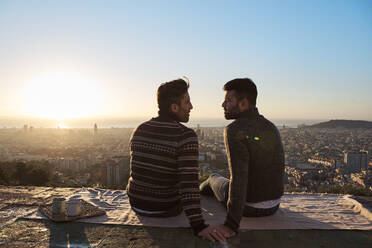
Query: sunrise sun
(61, 95)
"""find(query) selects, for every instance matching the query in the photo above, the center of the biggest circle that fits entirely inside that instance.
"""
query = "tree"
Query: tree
(37, 177)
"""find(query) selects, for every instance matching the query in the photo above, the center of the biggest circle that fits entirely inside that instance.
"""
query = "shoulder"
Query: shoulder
(236, 130)
(142, 126)
(187, 136)
(186, 131)
(267, 125)
(157, 126)
(235, 125)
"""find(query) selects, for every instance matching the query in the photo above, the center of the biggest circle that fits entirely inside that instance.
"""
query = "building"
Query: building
(115, 175)
(199, 132)
(356, 161)
(95, 129)
(322, 161)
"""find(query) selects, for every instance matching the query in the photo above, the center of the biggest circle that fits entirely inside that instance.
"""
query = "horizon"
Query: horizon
(78, 60)
(123, 122)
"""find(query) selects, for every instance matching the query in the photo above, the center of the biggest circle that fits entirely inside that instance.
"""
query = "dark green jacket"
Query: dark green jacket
(256, 163)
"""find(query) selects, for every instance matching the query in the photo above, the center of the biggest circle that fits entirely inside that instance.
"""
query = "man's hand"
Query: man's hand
(226, 231)
(212, 233)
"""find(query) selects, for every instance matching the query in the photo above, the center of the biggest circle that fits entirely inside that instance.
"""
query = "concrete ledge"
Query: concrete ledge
(358, 207)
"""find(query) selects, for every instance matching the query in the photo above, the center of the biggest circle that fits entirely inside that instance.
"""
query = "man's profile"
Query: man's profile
(164, 168)
(255, 159)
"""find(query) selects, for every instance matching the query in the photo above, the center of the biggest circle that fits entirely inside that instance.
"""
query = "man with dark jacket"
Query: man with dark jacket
(255, 159)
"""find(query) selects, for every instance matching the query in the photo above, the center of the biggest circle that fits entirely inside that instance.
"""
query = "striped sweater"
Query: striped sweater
(164, 169)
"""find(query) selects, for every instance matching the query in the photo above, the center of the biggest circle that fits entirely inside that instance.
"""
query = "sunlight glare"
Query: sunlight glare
(61, 95)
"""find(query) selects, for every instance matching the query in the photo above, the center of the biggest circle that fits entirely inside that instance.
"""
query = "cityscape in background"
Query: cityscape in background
(77, 78)
(333, 160)
(18, 122)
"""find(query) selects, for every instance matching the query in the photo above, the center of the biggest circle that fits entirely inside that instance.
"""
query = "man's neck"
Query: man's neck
(167, 116)
(252, 111)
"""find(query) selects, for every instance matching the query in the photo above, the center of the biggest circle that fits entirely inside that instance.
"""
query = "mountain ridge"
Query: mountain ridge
(348, 124)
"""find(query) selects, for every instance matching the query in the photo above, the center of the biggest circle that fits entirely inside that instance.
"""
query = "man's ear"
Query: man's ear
(243, 104)
(174, 108)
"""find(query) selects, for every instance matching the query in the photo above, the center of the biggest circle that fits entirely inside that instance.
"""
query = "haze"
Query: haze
(84, 59)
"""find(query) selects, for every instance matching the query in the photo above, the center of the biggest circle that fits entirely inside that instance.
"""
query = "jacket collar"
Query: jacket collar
(250, 113)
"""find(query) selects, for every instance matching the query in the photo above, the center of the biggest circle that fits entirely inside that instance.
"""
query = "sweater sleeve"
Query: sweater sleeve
(238, 159)
(188, 175)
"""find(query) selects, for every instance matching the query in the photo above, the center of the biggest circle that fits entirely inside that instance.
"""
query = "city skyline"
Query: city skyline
(76, 60)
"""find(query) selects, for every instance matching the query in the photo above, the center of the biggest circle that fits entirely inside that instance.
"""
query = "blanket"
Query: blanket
(297, 211)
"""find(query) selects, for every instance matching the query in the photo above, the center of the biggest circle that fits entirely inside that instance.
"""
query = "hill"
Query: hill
(343, 124)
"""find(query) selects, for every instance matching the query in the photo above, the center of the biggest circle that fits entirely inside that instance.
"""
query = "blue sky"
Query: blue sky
(309, 59)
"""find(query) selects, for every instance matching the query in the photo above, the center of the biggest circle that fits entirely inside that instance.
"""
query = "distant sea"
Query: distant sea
(128, 122)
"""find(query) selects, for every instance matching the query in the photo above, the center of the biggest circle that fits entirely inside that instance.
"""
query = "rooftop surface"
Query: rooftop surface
(16, 231)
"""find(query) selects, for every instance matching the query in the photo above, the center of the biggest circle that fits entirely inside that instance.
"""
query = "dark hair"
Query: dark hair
(171, 92)
(244, 88)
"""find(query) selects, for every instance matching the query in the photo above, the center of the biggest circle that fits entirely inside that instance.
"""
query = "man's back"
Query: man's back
(164, 170)
(264, 150)
(153, 149)
(255, 158)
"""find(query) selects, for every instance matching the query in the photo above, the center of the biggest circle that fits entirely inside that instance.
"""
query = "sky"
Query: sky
(80, 59)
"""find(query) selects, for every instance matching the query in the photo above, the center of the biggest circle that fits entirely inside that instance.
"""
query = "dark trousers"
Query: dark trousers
(219, 187)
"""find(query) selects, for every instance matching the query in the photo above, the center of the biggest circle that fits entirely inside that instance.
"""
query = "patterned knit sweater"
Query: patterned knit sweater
(164, 169)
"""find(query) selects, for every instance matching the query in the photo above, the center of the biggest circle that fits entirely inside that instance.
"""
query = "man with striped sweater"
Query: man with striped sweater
(164, 163)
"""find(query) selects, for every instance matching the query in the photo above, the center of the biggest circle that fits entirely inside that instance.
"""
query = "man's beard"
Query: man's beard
(232, 114)
(183, 118)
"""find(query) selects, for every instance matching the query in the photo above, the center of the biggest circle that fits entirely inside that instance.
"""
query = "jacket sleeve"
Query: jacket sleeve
(188, 174)
(238, 160)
